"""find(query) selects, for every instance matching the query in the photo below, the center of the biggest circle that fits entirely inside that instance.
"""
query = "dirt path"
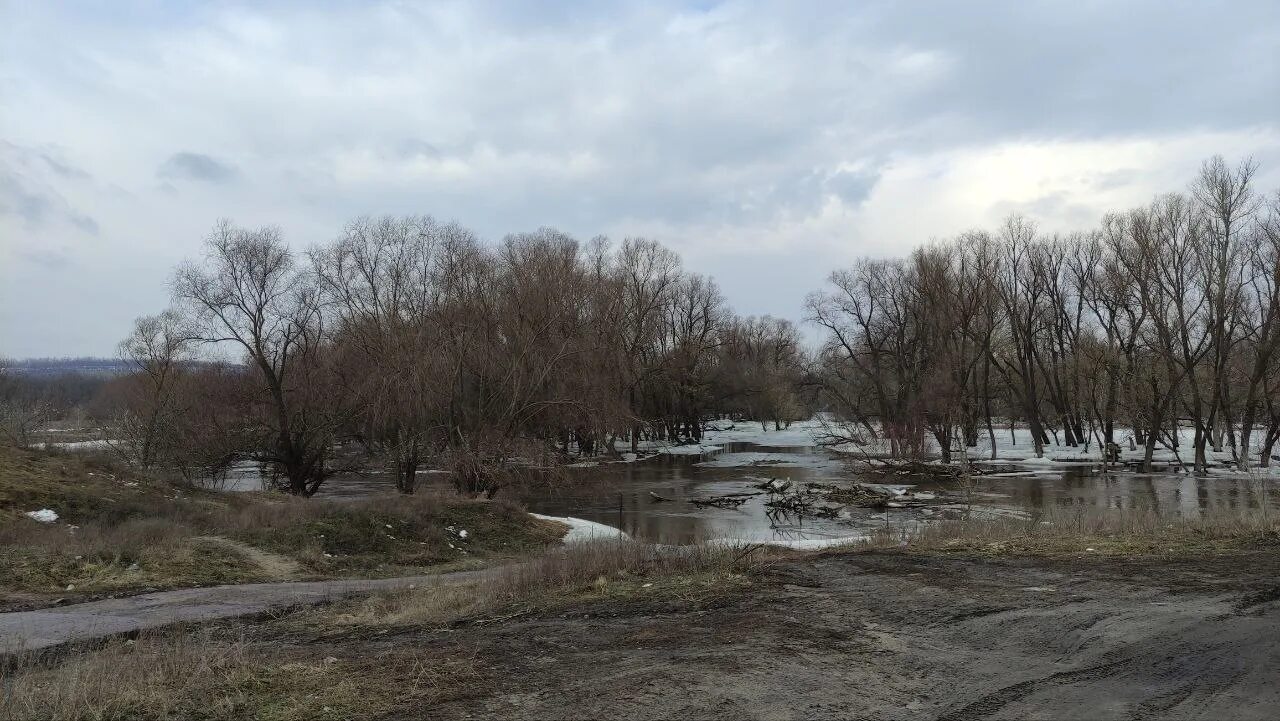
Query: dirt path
(45, 628)
(887, 635)
(272, 565)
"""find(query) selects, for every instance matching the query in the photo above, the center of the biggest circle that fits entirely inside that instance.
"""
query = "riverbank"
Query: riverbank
(75, 528)
(1167, 627)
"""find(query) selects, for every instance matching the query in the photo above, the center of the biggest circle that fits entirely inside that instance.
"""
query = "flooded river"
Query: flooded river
(625, 499)
(629, 495)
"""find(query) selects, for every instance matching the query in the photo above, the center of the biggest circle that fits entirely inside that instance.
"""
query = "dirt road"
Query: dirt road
(49, 627)
(898, 636)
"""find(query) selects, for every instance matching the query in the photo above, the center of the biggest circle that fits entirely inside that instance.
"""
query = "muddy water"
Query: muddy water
(624, 499)
(623, 494)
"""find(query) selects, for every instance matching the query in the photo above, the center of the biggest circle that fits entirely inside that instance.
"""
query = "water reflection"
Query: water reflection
(1173, 494)
(625, 499)
(629, 495)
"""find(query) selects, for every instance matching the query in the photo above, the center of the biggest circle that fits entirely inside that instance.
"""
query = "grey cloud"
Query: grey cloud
(63, 169)
(24, 195)
(198, 167)
(1092, 68)
(853, 186)
(586, 116)
(83, 222)
(413, 148)
(16, 199)
(1058, 205)
(45, 257)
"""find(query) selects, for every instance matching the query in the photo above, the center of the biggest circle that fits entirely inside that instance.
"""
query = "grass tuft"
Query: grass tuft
(1072, 531)
(613, 569)
(200, 674)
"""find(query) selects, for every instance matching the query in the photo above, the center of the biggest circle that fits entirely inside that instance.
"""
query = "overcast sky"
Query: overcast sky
(767, 143)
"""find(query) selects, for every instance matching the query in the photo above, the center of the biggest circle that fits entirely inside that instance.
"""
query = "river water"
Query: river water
(622, 497)
(625, 495)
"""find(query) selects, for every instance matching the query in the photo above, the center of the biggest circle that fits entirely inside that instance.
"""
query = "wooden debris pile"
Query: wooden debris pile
(858, 496)
(773, 485)
(732, 500)
(822, 500)
(828, 500)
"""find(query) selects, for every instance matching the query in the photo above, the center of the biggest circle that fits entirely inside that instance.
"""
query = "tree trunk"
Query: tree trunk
(1269, 442)
(1038, 437)
(1201, 463)
(1148, 449)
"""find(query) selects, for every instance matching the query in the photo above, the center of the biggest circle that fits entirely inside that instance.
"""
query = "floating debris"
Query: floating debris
(720, 501)
(773, 485)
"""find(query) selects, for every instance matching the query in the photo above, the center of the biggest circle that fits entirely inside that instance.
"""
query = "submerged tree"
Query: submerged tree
(251, 294)
(1168, 313)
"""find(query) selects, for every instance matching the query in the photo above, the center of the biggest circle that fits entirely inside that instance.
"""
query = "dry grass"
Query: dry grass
(282, 671)
(1093, 530)
(386, 536)
(119, 530)
(615, 570)
(200, 674)
(96, 558)
(155, 673)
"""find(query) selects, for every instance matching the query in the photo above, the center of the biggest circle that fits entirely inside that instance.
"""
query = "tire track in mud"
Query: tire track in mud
(1197, 693)
(1197, 675)
(993, 702)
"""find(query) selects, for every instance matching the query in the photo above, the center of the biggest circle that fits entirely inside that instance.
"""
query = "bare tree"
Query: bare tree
(1226, 202)
(251, 295)
(1022, 293)
(1262, 331)
(146, 427)
(1167, 314)
(385, 289)
(22, 413)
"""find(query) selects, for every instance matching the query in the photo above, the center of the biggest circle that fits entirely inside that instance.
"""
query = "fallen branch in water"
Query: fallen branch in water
(720, 501)
(773, 485)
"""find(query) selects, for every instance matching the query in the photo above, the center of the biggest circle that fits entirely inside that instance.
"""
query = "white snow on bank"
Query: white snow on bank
(800, 433)
(717, 433)
(44, 515)
(1016, 448)
(649, 448)
(691, 450)
(94, 445)
(582, 530)
(813, 544)
(800, 544)
(761, 459)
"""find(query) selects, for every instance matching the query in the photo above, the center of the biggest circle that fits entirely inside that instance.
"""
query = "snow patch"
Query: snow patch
(768, 459)
(44, 515)
(800, 544)
(93, 445)
(691, 450)
(800, 433)
(581, 530)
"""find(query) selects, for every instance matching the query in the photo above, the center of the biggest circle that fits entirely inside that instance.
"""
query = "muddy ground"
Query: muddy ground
(896, 636)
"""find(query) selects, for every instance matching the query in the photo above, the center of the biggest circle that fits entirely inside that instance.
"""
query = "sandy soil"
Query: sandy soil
(899, 636)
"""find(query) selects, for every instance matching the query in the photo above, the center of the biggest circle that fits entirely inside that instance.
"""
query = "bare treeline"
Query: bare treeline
(414, 341)
(1167, 314)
